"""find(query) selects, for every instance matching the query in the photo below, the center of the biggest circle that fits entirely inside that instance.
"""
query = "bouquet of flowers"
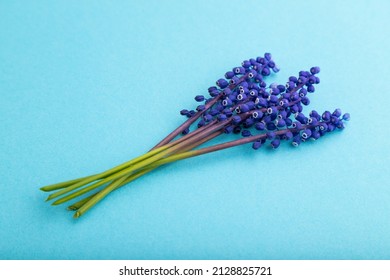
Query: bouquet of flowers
(241, 103)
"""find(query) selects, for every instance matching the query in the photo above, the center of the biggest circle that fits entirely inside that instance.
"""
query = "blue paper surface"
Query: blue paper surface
(86, 85)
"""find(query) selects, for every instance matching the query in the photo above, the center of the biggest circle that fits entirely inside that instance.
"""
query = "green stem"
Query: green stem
(194, 153)
(117, 175)
(62, 185)
(80, 203)
(96, 198)
(150, 167)
(185, 139)
(106, 174)
(138, 165)
(86, 204)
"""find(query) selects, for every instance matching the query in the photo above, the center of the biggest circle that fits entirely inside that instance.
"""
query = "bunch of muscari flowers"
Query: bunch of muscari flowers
(241, 103)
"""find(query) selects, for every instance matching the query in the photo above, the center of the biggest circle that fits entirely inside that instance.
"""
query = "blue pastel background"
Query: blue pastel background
(85, 85)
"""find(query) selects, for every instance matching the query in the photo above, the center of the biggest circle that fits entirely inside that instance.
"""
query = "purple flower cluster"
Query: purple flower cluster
(243, 103)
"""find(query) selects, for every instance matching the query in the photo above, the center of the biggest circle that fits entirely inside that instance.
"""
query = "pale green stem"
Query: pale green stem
(62, 185)
(96, 198)
(66, 184)
(138, 165)
(106, 174)
(121, 181)
(80, 203)
(149, 168)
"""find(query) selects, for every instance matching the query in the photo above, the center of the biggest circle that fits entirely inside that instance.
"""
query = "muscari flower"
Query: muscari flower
(240, 103)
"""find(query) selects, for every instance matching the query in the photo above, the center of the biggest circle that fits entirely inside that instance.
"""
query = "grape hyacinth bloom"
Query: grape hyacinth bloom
(241, 103)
